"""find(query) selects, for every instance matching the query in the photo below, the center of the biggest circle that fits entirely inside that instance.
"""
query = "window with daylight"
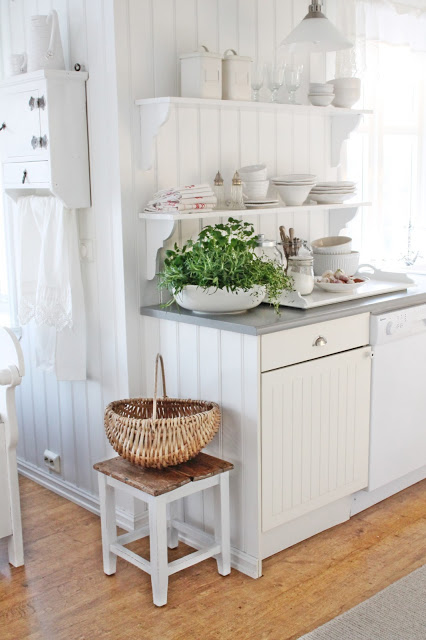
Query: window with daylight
(387, 156)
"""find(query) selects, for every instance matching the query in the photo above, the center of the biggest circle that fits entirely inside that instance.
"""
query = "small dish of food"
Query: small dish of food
(339, 282)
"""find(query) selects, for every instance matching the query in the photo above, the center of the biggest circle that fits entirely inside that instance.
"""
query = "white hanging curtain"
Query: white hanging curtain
(388, 153)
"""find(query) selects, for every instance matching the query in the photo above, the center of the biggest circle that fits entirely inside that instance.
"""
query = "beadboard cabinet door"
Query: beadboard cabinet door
(315, 434)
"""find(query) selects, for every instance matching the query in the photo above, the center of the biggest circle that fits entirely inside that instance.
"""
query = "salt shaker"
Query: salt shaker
(219, 191)
(237, 201)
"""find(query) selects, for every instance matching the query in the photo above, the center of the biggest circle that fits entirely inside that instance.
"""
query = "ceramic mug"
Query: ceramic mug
(18, 63)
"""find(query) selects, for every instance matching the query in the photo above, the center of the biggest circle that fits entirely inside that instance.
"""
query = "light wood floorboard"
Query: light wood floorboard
(63, 594)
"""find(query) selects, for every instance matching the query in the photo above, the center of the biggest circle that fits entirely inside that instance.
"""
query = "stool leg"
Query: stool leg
(108, 525)
(222, 529)
(172, 533)
(158, 551)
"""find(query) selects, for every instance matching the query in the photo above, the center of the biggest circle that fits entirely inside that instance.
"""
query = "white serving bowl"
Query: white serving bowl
(253, 173)
(318, 87)
(346, 98)
(332, 245)
(347, 262)
(293, 195)
(321, 100)
(256, 190)
(331, 198)
(295, 177)
(219, 301)
(341, 287)
(346, 83)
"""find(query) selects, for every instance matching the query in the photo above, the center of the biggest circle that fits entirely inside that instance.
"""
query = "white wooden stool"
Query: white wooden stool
(159, 488)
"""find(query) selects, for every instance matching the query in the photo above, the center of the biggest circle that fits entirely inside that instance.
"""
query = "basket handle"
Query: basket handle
(158, 359)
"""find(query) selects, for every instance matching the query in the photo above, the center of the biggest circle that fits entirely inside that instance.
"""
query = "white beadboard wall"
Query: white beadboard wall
(149, 35)
(68, 417)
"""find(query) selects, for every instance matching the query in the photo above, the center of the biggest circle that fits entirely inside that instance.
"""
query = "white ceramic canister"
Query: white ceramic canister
(44, 44)
(201, 74)
(236, 71)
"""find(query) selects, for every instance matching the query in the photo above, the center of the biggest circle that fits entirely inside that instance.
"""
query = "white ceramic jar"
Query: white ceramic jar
(201, 74)
(236, 76)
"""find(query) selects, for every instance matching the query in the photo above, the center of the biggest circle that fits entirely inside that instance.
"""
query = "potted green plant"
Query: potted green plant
(221, 273)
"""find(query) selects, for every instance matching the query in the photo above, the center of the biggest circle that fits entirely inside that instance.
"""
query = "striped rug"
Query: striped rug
(396, 613)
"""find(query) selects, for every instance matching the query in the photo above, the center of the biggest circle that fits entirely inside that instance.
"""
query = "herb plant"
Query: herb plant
(223, 257)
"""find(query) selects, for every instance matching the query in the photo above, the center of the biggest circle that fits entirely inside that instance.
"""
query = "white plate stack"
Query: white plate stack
(332, 192)
(294, 188)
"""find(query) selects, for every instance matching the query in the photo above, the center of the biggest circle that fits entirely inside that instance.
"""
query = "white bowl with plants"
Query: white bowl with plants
(220, 272)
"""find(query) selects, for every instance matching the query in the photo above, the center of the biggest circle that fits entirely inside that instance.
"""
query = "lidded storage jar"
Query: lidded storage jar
(201, 74)
(267, 249)
(236, 76)
(301, 269)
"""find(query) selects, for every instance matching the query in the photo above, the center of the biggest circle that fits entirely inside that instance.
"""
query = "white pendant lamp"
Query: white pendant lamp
(316, 33)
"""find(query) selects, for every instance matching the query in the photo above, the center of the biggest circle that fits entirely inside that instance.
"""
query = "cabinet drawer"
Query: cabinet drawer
(38, 173)
(314, 341)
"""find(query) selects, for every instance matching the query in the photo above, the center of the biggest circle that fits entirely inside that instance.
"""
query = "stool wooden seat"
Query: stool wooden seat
(159, 488)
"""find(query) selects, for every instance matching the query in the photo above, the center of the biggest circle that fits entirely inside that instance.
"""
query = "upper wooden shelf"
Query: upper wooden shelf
(255, 106)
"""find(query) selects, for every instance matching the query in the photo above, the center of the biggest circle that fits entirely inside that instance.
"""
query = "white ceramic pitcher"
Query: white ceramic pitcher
(45, 46)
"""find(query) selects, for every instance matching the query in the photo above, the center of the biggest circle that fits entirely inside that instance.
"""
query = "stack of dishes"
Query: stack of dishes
(255, 187)
(321, 94)
(334, 253)
(332, 192)
(294, 188)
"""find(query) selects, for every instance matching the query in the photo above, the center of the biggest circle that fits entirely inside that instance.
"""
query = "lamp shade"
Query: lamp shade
(316, 33)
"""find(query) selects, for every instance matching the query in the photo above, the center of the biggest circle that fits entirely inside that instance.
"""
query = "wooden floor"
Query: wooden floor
(63, 594)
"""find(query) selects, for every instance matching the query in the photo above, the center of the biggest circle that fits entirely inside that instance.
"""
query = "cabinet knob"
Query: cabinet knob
(43, 142)
(41, 102)
(24, 176)
(3, 126)
(320, 342)
(32, 103)
(35, 142)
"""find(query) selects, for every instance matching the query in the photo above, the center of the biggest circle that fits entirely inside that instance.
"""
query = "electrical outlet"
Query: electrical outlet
(52, 461)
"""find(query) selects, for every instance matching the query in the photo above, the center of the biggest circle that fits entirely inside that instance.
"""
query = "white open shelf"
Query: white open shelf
(161, 226)
(256, 106)
(248, 212)
(155, 113)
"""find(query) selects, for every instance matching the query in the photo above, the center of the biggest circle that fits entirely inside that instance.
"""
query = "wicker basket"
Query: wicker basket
(161, 432)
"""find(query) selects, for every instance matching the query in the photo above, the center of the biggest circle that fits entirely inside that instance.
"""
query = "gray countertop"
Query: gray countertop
(263, 319)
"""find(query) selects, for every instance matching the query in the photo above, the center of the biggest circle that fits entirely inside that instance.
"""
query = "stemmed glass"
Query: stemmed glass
(293, 78)
(275, 73)
(257, 79)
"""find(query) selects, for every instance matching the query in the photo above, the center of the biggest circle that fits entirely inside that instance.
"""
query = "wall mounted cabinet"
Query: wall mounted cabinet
(43, 137)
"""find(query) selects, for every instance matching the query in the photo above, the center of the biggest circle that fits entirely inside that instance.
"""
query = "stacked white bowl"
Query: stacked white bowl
(347, 91)
(294, 188)
(332, 192)
(321, 94)
(334, 253)
(255, 184)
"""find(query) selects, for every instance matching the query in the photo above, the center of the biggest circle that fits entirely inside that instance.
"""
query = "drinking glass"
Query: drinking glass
(275, 73)
(293, 78)
(257, 79)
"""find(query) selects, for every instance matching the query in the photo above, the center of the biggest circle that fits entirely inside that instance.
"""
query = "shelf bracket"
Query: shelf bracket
(157, 232)
(339, 219)
(153, 117)
(341, 128)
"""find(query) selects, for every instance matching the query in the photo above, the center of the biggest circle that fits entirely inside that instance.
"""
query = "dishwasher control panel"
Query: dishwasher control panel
(397, 324)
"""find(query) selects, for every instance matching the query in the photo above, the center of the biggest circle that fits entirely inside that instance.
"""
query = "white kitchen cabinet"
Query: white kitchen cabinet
(5, 519)
(315, 434)
(43, 136)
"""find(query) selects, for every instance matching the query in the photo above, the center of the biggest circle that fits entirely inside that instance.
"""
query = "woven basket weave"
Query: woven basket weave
(160, 432)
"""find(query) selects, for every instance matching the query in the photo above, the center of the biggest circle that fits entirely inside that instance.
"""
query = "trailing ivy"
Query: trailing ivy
(223, 257)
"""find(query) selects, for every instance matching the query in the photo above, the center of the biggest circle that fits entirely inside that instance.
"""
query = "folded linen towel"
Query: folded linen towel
(50, 284)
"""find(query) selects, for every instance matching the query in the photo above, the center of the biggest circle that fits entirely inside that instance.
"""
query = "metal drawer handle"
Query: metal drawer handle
(320, 342)
(43, 142)
(32, 103)
(3, 126)
(35, 142)
(24, 176)
(41, 102)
